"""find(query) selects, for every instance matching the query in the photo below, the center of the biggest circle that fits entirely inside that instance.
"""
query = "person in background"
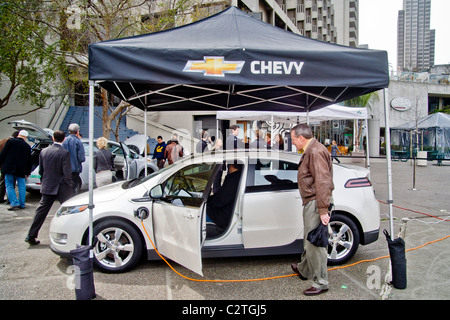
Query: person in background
(334, 151)
(279, 142)
(15, 161)
(2, 176)
(268, 140)
(56, 178)
(259, 142)
(218, 145)
(103, 163)
(232, 142)
(202, 145)
(158, 153)
(74, 145)
(174, 151)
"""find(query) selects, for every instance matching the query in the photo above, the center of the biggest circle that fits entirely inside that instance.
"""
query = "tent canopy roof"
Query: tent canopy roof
(232, 61)
(332, 112)
(435, 120)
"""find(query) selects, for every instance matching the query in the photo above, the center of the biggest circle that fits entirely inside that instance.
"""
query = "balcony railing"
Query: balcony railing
(422, 77)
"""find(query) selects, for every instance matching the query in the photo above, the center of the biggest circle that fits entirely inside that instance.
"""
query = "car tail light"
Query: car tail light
(358, 183)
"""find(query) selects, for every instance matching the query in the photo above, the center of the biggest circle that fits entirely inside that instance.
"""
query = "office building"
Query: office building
(415, 40)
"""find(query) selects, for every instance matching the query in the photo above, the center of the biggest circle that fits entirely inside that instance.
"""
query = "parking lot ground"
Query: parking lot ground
(35, 273)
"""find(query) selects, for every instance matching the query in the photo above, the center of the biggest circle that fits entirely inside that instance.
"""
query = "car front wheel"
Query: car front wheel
(119, 246)
(344, 240)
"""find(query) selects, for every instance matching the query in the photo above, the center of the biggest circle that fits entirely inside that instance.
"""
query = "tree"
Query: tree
(363, 101)
(29, 67)
(68, 26)
(100, 21)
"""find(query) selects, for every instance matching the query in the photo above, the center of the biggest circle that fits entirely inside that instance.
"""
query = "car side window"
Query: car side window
(271, 175)
(189, 182)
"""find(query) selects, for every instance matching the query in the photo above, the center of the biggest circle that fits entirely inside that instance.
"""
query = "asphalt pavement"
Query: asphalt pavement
(422, 209)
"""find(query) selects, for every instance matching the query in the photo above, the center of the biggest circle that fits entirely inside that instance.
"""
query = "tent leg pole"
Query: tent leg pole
(91, 161)
(367, 146)
(388, 161)
(146, 142)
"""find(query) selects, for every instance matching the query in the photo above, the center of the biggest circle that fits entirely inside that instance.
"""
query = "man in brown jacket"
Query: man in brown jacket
(174, 151)
(315, 183)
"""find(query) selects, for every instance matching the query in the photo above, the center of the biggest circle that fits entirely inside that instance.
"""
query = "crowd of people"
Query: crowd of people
(60, 165)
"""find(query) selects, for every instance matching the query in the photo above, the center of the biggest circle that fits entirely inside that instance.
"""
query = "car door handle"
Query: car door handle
(188, 216)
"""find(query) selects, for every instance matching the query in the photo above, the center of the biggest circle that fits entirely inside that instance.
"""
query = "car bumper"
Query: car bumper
(62, 254)
(66, 232)
(370, 236)
(33, 186)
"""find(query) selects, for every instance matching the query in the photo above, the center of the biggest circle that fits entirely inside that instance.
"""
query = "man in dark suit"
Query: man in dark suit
(56, 179)
(220, 205)
(15, 161)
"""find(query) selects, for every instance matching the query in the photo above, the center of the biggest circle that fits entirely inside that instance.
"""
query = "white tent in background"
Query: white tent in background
(332, 112)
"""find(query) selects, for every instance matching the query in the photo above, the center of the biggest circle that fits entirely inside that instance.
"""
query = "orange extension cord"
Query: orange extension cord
(292, 275)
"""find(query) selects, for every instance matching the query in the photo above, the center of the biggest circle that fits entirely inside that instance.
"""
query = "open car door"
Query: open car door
(179, 214)
(129, 164)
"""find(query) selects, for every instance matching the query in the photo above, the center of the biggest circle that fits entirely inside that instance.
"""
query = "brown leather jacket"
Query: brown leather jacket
(173, 152)
(315, 176)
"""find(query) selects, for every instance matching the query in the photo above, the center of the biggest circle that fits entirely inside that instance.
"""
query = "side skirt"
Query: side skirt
(295, 247)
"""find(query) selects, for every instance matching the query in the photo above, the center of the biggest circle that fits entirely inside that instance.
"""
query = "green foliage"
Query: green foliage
(29, 66)
(445, 109)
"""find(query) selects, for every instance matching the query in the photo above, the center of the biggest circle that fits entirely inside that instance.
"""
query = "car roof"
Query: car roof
(242, 154)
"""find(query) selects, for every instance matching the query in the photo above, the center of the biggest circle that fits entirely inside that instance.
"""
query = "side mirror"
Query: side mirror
(156, 192)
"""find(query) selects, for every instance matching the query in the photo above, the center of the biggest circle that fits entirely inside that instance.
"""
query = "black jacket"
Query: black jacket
(15, 158)
(103, 160)
(220, 205)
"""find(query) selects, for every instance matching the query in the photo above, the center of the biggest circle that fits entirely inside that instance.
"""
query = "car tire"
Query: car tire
(115, 256)
(344, 241)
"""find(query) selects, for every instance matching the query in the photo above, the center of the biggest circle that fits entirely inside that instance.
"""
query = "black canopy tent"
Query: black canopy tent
(231, 61)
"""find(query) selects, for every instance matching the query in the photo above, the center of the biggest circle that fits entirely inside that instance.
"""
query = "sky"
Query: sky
(378, 27)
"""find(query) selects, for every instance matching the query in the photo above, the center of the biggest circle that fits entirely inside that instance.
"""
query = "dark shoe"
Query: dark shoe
(295, 269)
(13, 208)
(314, 291)
(32, 241)
(3, 201)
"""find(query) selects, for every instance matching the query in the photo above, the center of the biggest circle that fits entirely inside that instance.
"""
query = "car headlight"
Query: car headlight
(71, 210)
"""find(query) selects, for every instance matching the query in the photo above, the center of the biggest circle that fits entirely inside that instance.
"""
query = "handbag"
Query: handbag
(319, 236)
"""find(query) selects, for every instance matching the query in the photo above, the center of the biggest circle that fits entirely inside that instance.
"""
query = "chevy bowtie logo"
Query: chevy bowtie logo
(214, 66)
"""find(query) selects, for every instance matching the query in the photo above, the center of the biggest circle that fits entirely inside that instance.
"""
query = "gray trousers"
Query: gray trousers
(313, 263)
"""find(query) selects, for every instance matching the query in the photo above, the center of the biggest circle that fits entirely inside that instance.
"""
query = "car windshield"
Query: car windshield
(135, 182)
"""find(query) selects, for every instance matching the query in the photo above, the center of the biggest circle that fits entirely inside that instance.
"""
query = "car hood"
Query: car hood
(139, 141)
(34, 132)
(106, 193)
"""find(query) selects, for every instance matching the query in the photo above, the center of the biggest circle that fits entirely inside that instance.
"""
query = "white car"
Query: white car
(128, 163)
(170, 205)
